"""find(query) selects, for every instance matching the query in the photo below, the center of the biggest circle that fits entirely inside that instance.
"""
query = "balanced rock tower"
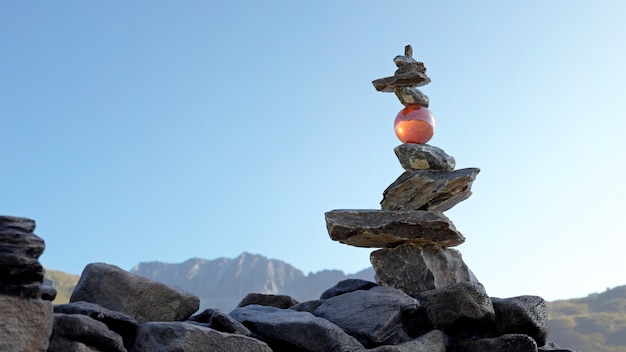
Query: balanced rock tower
(413, 234)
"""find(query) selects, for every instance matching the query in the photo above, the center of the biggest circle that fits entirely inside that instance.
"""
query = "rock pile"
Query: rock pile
(413, 233)
(24, 317)
(114, 310)
(445, 302)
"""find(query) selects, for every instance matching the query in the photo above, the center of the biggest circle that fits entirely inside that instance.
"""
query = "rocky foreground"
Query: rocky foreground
(114, 310)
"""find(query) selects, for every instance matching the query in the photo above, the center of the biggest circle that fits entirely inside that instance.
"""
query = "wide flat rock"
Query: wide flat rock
(434, 190)
(389, 229)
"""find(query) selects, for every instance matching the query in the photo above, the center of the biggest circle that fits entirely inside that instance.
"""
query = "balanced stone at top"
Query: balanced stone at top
(423, 157)
(410, 73)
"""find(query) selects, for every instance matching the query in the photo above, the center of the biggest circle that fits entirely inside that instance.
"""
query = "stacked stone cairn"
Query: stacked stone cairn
(414, 238)
(425, 298)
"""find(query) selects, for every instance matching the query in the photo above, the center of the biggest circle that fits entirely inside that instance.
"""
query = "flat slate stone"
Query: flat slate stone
(414, 269)
(389, 229)
(433, 190)
(423, 157)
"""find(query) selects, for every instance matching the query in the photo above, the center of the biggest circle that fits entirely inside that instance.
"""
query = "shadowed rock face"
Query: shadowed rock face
(25, 319)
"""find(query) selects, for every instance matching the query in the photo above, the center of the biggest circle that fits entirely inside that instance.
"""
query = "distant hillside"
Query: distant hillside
(64, 284)
(596, 323)
(222, 283)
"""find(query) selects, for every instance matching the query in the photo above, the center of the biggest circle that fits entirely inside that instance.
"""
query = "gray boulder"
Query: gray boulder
(143, 299)
(522, 315)
(182, 336)
(462, 309)
(291, 330)
(83, 329)
(414, 269)
(381, 315)
(25, 324)
(48, 292)
(346, 286)
(121, 323)
(278, 301)
(215, 319)
(433, 190)
(423, 157)
(508, 343)
(307, 306)
(433, 341)
(388, 229)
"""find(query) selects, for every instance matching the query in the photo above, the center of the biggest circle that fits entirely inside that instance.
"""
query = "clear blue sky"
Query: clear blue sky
(161, 130)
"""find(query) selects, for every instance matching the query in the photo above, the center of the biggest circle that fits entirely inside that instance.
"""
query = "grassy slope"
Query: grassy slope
(64, 284)
(596, 323)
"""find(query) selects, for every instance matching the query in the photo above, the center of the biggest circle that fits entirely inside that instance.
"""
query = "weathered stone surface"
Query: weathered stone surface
(348, 285)
(215, 319)
(433, 341)
(423, 157)
(16, 223)
(381, 315)
(308, 306)
(526, 315)
(508, 343)
(181, 336)
(433, 190)
(411, 96)
(143, 299)
(83, 329)
(48, 292)
(118, 322)
(461, 309)
(25, 324)
(410, 73)
(290, 330)
(21, 273)
(278, 301)
(388, 229)
(414, 269)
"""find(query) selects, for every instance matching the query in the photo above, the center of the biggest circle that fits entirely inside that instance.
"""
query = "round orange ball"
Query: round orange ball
(415, 124)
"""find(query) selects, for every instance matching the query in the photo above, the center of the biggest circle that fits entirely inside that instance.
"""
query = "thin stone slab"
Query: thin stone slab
(433, 190)
(414, 269)
(423, 157)
(389, 229)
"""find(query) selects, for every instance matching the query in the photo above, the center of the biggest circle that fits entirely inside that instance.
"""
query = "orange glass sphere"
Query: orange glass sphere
(415, 124)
